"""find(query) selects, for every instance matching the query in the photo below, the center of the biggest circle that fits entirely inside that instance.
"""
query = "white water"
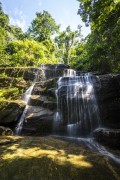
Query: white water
(69, 73)
(26, 98)
(77, 105)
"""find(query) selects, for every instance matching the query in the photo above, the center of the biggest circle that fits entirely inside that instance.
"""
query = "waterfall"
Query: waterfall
(26, 100)
(42, 68)
(77, 109)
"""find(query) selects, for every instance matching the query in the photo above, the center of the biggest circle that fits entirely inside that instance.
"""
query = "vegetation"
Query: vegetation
(31, 48)
(99, 51)
(66, 42)
(42, 27)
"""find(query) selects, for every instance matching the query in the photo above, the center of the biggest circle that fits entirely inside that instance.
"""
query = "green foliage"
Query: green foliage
(23, 49)
(42, 27)
(4, 19)
(80, 60)
(29, 53)
(65, 41)
(9, 93)
(103, 44)
(15, 33)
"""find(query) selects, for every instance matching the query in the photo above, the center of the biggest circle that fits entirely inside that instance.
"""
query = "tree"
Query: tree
(43, 27)
(66, 40)
(15, 33)
(4, 19)
(104, 41)
(29, 53)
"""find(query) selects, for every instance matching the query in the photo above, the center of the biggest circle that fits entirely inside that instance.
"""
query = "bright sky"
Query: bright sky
(22, 12)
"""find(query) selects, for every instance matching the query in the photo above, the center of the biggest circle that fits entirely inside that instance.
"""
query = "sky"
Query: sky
(22, 12)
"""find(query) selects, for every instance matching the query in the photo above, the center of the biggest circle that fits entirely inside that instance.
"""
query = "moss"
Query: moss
(48, 158)
(9, 93)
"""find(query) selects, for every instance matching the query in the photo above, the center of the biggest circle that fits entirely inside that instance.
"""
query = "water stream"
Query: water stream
(77, 107)
(78, 111)
(22, 118)
(26, 98)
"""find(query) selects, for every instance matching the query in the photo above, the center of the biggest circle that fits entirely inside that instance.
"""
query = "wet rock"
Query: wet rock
(110, 114)
(50, 105)
(110, 137)
(39, 121)
(110, 86)
(46, 88)
(54, 70)
(39, 89)
(36, 112)
(37, 100)
(50, 83)
(5, 131)
(109, 100)
(11, 112)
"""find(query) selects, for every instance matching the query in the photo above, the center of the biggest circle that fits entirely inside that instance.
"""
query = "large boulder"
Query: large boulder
(11, 112)
(110, 137)
(110, 86)
(109, 100)
(38, 121)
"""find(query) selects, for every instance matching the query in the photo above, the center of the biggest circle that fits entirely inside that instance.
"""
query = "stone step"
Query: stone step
(37, 100)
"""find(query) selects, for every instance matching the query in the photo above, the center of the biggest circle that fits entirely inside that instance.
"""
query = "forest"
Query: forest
(44, 43)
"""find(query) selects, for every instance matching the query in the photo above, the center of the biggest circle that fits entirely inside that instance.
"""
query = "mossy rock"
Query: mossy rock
(48, 158)
(26, 73)
(5, 131)
(11, 112)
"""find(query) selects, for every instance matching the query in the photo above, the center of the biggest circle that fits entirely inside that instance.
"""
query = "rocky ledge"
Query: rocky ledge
(11, 112)
(108, 96)
(109, 137)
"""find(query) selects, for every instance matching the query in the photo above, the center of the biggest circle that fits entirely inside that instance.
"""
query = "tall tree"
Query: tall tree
(104, 41)
(43, 27)
(66, 40)
(4, 21)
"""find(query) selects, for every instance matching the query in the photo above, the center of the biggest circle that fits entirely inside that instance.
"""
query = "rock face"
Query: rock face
(11, 112)
(109, 137)
(52, 71)
(16, 72)
(42, 105)
(109, 100)
(5, 131)
(38, 121)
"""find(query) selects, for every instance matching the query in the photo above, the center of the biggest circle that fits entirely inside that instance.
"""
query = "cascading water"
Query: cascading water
(26, 98)
(77, 106)
(77, 111)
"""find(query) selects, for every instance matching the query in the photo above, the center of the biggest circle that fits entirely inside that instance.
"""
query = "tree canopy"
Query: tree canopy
(103, 44)
(99, 51)
(43, 27)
